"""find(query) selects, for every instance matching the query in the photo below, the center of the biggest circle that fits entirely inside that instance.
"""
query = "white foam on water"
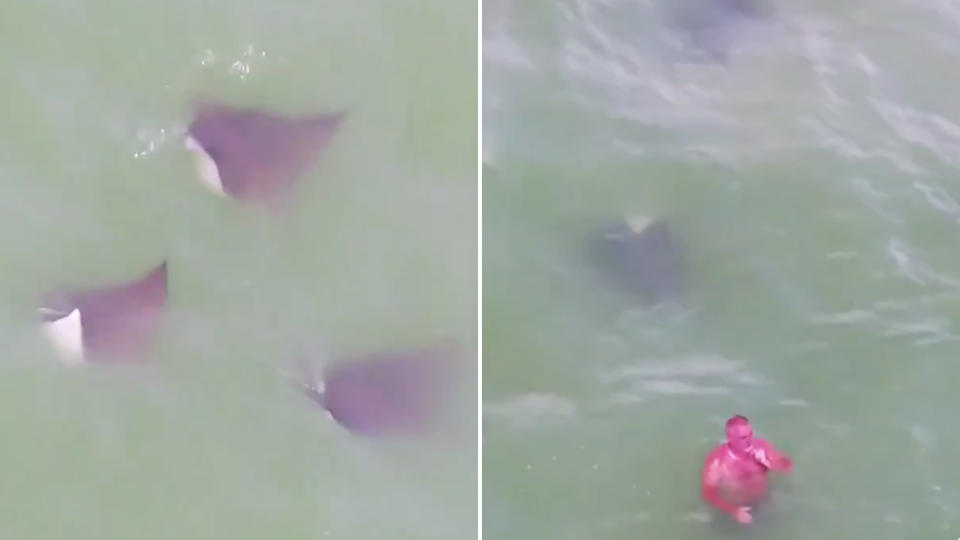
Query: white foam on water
(794, 403)
(691, 366)
(692, 375)
(853, 316)
(677, 388)
(533, 409)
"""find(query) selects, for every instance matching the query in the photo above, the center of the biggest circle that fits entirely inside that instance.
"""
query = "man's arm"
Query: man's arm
(710, 479)
(772, 458)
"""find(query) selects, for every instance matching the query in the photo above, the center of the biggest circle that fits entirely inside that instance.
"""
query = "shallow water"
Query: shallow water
(812, 177)
(208, 441)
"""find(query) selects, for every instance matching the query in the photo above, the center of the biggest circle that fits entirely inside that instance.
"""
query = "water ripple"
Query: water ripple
(533, 409)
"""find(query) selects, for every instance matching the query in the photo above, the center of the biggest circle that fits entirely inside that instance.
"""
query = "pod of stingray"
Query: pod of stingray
(254, 155)
(384, 394)
(115, 323)
(642, 256)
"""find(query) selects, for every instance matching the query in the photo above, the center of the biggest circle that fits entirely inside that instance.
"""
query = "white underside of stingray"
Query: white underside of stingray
(66, 334)
(638, 223)
(321, 388)
(206, 167)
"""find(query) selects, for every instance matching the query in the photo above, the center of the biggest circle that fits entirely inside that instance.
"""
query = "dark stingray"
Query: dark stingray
(384, 394)
(711, 26)
(643, 257)
(110, 324)
(255, 155)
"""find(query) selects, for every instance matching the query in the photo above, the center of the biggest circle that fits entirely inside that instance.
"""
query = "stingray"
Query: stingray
(643, 256)
(254, 155)
(383, 394)
(710, 26)
(108, 324)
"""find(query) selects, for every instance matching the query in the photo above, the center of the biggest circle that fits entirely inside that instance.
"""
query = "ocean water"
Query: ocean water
(206, 440)
(810, 167)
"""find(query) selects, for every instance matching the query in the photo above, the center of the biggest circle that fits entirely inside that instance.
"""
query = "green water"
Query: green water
(813, 179)
(380, 251)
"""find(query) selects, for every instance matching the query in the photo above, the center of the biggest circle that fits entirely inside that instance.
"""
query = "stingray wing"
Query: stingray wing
(392, 392)
(260, 155)
(647, 261)
(118, 321)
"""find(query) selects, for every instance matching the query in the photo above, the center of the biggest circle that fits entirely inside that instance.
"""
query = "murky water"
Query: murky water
(208, 441)
(813, 179)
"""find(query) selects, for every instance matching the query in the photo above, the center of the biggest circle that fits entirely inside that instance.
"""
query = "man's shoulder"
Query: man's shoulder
(717, 452)
(713, 463)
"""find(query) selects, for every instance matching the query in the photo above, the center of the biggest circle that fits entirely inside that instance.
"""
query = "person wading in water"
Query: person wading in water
(735, 472)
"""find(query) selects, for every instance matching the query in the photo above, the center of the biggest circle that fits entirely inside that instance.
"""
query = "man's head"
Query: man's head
(739, 433)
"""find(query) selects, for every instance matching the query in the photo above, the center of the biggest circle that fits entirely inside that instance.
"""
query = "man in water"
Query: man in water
(735, 473)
